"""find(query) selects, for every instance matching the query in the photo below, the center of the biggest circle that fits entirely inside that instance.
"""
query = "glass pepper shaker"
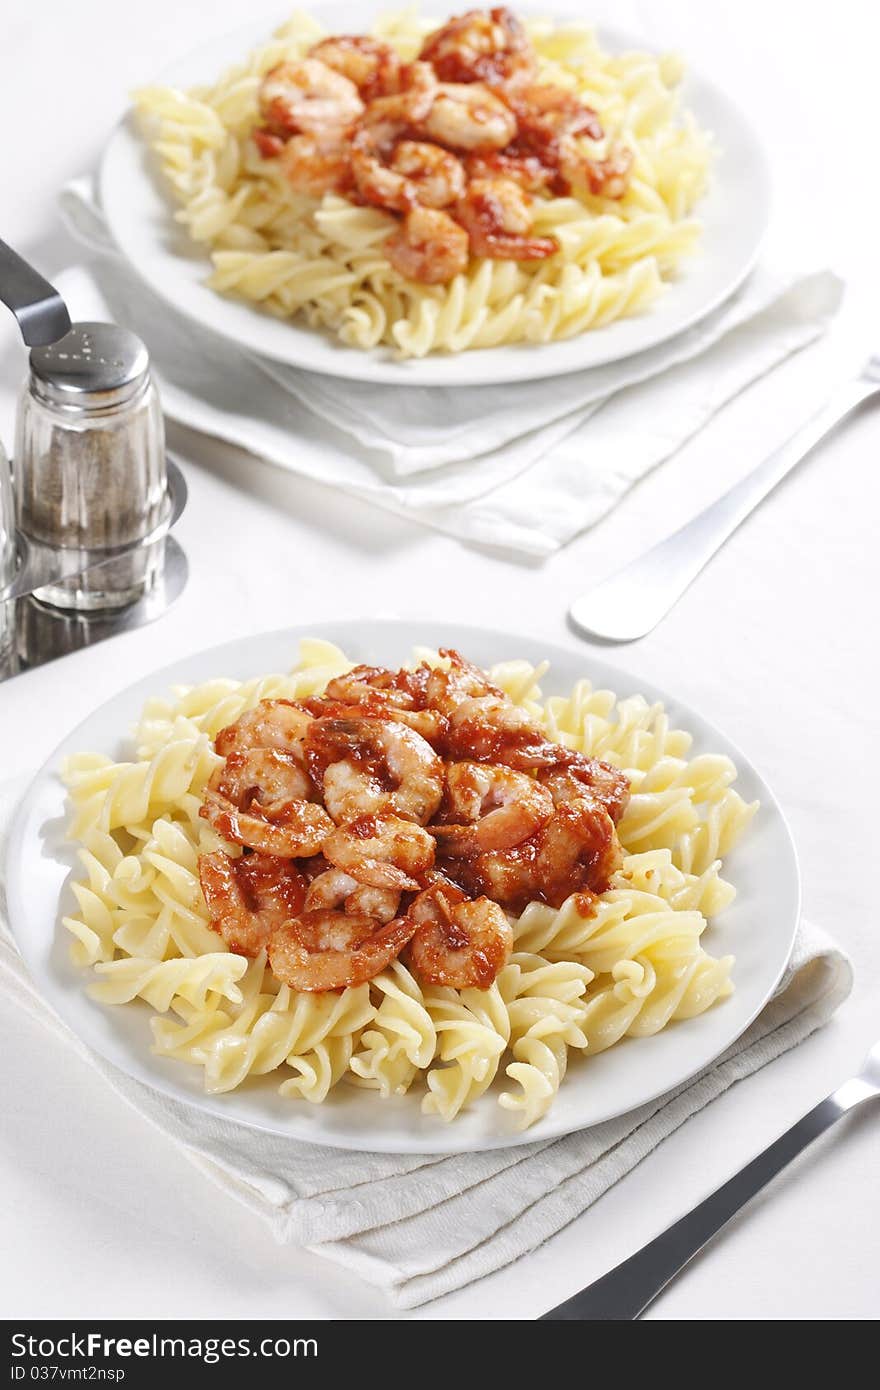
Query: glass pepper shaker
(8, 558)
(90, 463)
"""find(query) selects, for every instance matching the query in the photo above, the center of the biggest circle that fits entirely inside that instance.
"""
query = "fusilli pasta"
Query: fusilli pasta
(293, 254)
(574, 982)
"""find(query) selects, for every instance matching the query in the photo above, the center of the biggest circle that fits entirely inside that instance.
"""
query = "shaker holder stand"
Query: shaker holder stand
(38, 307)
(40, 564)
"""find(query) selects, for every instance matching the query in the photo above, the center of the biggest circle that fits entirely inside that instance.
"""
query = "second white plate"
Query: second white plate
(758, 928)
(139, 213)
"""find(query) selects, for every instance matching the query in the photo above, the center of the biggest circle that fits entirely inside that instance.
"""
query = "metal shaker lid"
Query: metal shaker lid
(93, 367)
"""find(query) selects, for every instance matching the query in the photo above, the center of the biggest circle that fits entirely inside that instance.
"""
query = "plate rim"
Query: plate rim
(162, 678)
(437, 370)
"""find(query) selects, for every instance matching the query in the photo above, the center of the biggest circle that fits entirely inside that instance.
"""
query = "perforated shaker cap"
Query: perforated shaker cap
(93, 367)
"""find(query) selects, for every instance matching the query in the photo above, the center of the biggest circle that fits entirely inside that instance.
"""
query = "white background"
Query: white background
(777, 642)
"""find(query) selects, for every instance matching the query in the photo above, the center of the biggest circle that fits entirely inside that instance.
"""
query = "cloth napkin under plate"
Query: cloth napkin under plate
(420, 1226)
(523, 467)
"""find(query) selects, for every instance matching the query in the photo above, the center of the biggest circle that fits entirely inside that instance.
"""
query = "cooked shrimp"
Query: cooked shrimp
(462, 680)
(316, 165)
(469, 117)
(422, 172)
(270, 724)
(257, 798)
(428, 722)
(333, 888)
(330, 950)
(518, 163)
(429, 247)
(548, 120)
(489, 729)
(604, 178)
(435, 175)
(508, 876)
(575, 851)
(388, 118)
(490, 808)
(458, 943)
(545, 155)
(365, 682)
(578, 775)
(308, 97)
(383, 694)
(553, 110)
(384, 851)
(312, 866)
(373, 66)
(262, 776)
(476, 46)
(250, 896)
(578, 850)
(496, 215)
(368, 766)
(415, 173)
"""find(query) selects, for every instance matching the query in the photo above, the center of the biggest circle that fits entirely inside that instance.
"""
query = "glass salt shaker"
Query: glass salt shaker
(90, 464)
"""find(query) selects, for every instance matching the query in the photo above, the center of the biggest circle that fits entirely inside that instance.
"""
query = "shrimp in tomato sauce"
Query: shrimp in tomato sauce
(429, 247)
(454, 145)
(249, 896)
(480, 46)
(457, 942)
(352, 839)
(497, 217)
(308, 97)
(374, 67)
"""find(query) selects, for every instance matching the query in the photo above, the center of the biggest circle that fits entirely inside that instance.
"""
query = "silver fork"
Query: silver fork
(634, 599)
(626, 1291)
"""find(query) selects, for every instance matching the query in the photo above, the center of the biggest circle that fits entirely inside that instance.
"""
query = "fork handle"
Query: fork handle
(626, 1291)
(631, 602)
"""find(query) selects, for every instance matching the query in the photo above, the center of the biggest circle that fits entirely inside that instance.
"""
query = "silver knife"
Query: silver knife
(626, 1291)
(632, 601)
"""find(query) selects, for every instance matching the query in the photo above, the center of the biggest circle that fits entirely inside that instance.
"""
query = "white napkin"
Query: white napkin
(524, 467)
(420, 1226)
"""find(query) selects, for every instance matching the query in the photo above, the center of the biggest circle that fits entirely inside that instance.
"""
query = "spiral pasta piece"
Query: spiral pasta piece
(654, 872)
(273, 1026)
(545, 1006)
(402, 1038)
(644, 995)
(473, 1031)
(316, 1072)
(201, 982)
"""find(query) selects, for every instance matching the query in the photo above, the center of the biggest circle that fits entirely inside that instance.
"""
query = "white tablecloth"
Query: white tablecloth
(772, 643)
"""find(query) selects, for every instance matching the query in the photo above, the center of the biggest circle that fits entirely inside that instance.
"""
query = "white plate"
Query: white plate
(139, 214)
(758, 929)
